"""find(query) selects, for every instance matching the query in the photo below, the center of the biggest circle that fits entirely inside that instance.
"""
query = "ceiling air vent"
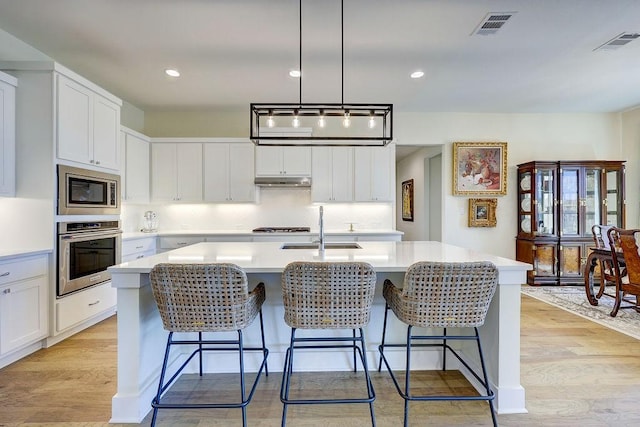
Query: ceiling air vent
(619, 41)
(492, 23)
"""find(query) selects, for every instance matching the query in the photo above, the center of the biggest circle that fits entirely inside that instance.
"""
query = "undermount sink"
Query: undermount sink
(330, 245)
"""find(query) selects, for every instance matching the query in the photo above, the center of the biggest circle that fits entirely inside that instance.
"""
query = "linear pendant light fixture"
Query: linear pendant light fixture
(326, 124)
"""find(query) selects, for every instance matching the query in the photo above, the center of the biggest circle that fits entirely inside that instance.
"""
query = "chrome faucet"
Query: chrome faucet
(321, 237)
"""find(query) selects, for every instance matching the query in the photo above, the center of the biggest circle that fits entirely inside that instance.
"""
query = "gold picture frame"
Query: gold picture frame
(407, 200)
(482, 212)
(480, 168)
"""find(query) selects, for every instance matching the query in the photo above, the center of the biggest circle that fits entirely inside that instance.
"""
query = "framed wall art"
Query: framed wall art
(407, 200)
(480, 168)
(482, 212)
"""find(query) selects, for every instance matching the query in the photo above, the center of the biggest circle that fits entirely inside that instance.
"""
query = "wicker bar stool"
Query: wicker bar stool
(441, 295)
(206, 298)
(327, 295)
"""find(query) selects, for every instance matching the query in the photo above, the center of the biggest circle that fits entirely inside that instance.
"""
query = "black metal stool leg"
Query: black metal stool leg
(242, 384)
(407, 378)
(365, 367)
(200, 350)
(384, 331)
(355, 363)
(286, 377)
(486, 380)
(444, 350)
(160, 382)
(264, 346)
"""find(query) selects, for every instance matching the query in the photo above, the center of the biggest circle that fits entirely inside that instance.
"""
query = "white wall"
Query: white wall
(413, 167)
(631, 152)
(529, 137)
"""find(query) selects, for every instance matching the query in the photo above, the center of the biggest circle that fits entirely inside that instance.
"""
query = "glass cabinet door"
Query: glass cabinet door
(592, 199)
(525, 202)
(613, 201)
(569, 201)
(545, 196)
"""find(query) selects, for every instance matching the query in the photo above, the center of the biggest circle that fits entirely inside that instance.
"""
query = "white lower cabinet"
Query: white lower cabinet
(24, 284)
(138, 248)
(77, 308)
(174, 242)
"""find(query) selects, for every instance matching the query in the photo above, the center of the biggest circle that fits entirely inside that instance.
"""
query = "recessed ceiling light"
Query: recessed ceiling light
(172, 73)
(417, 74)
(294, 73)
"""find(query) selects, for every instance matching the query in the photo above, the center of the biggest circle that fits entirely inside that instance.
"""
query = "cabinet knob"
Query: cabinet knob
(92, 161)
(7, 291)
(97, 162)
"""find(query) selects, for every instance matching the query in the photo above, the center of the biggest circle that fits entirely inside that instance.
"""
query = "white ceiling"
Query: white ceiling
(233, 52)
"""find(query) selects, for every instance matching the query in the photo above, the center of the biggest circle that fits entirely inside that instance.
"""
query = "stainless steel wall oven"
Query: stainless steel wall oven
(85, 250)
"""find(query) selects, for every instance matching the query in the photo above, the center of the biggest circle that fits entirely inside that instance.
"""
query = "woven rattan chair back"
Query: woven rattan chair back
(438, 294)
(328, 295)
(202, 297)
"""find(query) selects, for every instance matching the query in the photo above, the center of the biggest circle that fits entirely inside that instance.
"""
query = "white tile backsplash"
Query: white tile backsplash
(276, 207)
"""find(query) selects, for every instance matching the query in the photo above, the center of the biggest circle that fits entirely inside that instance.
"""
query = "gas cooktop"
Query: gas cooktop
(281, 230)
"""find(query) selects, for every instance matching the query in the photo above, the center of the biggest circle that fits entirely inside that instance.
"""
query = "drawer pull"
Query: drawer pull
(6, 273)
(140, 256)
(181, 243)
(139, 247)
(94, 303)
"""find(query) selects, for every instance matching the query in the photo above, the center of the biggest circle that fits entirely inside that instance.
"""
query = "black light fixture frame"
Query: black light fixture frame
(300, 109)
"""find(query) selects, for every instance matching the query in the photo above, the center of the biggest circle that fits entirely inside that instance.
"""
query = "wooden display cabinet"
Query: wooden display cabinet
(558, 203)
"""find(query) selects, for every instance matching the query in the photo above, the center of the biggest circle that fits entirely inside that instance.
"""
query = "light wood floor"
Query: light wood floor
(575, 372)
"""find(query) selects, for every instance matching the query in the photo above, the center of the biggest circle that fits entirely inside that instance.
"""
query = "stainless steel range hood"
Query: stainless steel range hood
(283, 181)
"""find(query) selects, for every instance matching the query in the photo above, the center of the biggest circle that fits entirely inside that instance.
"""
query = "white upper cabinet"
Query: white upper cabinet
(88, 125)
(176, 172)
(374, 174)
(278, 161)
(7, 135)
(135, 179)
(229, 172)
(332, 177)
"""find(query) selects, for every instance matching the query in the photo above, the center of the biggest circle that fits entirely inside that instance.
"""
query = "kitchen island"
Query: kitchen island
(141, 337)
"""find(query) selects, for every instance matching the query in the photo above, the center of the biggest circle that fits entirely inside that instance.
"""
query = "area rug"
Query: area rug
(573, 299)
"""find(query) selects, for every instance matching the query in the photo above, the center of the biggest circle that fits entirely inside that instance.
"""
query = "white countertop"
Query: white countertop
(364, 232)
(7, 254)
(267, 257)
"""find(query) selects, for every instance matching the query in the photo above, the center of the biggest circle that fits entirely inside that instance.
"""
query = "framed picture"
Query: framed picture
(482, 212)
(480, 168)
(407, 200)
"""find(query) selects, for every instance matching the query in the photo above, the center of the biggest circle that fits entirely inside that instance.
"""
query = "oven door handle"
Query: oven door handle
(90, 235)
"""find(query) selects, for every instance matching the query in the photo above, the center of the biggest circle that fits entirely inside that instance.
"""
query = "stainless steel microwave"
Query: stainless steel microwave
(87, 192)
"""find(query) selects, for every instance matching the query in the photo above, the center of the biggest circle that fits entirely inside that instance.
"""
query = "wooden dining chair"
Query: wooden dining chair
(625, 257)
(601, 240)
